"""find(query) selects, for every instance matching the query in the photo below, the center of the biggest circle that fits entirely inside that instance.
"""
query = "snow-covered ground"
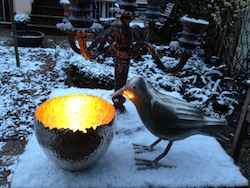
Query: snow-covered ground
(24, 88)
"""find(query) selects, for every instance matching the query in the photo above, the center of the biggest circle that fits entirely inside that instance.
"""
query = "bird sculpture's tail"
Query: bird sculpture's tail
(214, 121)
(214, 128)
(211, 131)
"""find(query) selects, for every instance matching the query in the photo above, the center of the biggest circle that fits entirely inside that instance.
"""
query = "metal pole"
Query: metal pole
(13, 24)
(4, 14)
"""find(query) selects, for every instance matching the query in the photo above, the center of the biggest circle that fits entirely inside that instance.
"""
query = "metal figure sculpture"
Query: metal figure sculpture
(166, 117)
(79, 23)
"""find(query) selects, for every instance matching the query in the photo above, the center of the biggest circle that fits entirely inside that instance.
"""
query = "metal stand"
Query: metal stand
(13, 24)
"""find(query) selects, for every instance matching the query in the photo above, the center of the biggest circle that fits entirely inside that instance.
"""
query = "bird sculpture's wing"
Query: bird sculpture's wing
(180, 114)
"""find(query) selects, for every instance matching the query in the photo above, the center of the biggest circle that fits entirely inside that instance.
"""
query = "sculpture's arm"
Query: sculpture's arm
(87, 54)
(157, 60)
(97, 46)
(71, 38)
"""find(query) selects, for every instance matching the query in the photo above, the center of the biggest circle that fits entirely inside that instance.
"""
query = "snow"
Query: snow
(22, 18)
(137, 23)
(107, 19)
(2, 144)
(29, 37)
(24, 85)
(198, 21)
(198, 161)
(24, 88)
(64, 1)
(69, 27)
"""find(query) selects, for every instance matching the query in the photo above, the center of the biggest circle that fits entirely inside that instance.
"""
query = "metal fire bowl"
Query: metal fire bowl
(74, 151)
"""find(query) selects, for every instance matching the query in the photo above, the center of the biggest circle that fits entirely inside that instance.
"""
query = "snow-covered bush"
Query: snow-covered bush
(205, 87)
(199, 83)
(222, 35)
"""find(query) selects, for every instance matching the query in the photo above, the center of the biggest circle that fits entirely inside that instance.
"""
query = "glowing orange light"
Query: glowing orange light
(76, 112)
(128, 94)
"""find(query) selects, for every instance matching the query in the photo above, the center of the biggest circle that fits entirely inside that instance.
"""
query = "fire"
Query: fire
(128, 94)
(76, 112)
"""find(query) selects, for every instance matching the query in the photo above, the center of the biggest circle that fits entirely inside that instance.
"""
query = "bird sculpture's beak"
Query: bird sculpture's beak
(125, 92)
(118, 92)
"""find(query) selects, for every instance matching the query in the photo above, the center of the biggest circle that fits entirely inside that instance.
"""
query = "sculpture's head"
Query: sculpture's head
(136, 89)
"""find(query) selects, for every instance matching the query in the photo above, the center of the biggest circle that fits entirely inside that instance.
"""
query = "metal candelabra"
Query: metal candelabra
(79, 23)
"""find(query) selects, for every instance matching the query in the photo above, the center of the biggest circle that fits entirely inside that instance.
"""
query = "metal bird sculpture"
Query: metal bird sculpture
(166, 117)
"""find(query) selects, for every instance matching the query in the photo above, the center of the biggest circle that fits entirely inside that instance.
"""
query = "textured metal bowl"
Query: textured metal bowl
(74, 150)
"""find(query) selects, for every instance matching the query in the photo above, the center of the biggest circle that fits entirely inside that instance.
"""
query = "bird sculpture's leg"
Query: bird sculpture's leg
(144, 164)
(140, 148)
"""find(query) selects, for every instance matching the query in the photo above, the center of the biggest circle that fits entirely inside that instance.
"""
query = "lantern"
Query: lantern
(75, 130)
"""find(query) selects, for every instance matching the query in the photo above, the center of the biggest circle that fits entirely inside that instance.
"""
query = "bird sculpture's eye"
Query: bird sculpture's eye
(133, 87)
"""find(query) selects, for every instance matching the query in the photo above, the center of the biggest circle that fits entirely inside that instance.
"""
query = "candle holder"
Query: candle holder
(76, 130)
(119, 38)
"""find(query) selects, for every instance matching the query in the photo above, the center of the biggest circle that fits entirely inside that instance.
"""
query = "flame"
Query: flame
(76, 112)
(128, 94)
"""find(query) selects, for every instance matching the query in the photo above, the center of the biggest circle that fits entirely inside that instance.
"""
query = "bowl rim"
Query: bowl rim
(41, 34)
